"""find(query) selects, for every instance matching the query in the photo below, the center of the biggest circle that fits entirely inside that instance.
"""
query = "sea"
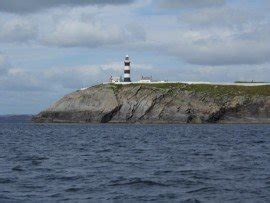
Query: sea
(122, 163)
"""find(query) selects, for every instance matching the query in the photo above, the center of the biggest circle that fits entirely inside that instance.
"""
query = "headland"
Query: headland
(162, 103)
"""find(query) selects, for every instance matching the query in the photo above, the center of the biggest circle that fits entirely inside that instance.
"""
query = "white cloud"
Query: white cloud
(229, 73)
(84, 34)
(189, 3)
(221, 47)
(4, 65)
(2, 60)
(27, 6)
(62, 78)
(215, 37)
(90, 27)
(221, 17)
(73, 27)
(17, 29)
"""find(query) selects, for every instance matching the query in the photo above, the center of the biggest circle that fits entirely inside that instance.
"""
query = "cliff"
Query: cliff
(162, 103)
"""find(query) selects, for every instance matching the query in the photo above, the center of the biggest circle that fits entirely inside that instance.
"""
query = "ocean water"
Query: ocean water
(189, 163)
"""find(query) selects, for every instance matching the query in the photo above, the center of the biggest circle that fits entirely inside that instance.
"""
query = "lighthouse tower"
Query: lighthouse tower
(127, 70)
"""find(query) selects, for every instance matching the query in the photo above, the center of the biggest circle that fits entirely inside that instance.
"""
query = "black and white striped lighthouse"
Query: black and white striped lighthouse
(127, 70)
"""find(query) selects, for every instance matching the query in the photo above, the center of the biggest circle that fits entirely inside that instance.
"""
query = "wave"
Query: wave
(203, 189)
(64, 178)
(6, 180)
(72, 189)
(138, 181)
(17, 168)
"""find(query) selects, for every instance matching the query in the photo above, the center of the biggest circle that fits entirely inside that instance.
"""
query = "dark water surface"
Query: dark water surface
(135, 162)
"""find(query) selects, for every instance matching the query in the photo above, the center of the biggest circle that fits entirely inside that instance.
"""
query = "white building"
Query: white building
(146, 79)
(115, 79)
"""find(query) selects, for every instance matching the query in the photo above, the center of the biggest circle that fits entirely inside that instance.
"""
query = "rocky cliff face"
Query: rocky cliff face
(162, 103)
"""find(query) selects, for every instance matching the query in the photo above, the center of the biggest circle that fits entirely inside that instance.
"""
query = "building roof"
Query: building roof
(146, 78)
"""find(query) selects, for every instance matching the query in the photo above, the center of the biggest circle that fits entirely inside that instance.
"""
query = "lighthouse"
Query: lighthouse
(127, 70)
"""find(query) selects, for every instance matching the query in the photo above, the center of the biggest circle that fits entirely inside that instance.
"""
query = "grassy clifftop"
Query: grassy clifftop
(215, 90)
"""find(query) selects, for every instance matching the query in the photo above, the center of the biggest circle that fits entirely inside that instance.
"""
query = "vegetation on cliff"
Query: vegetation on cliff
(214, 90)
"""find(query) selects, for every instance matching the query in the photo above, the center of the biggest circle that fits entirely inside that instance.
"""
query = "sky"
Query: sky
(49, 48)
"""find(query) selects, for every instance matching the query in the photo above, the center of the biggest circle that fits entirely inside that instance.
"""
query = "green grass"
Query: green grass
(115, 87)
(214, 90)
(249, 82)
(230, 90)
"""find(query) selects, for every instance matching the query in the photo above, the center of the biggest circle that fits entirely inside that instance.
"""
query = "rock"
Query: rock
(154, 103)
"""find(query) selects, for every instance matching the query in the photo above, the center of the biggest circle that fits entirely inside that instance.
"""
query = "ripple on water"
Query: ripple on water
(162, 172)
(191, 200)
(6, 180)
(203, 190)
(188, 163)
(22, 157)
(137, 182)
(73, 189)
(17, 168)
(6, 198)
(65, 178)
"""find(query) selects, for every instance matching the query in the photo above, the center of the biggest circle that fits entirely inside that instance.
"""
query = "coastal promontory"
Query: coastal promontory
(162, 103)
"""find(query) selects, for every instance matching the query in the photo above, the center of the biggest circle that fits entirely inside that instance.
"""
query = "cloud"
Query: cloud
(4, 65)
(78, 33)
(217, 36)
(27, 6)
(220, 17)
(21, 80)
(90, 27)
(60, 79)
(63, 78)
(190, 3)
(17, 30)
(222, 47)
(17, 79)
(72, 27)
(228, 73)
